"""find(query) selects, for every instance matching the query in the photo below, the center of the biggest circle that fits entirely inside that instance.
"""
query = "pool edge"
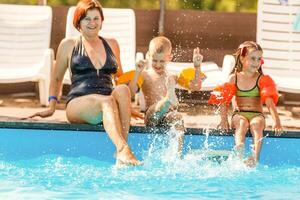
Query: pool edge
(133, 129)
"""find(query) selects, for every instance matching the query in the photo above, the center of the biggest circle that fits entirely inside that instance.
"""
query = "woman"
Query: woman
(93, 61)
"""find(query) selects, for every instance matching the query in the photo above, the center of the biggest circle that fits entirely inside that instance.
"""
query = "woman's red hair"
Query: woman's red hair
(81, 9)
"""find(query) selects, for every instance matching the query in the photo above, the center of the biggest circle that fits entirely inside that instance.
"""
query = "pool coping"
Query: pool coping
(133, 129)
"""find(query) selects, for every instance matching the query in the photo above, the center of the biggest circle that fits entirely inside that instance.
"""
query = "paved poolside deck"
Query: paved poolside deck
(199, 116)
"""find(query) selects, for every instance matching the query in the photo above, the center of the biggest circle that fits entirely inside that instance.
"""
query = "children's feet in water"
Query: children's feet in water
(250, 162)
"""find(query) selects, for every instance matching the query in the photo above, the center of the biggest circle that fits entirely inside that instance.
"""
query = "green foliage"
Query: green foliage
(212, 5)
(25, 2)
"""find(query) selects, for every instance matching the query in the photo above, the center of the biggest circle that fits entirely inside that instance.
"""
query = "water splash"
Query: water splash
(252, 146)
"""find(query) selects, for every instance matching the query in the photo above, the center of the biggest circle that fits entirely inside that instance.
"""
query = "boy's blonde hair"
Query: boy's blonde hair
(160, 44)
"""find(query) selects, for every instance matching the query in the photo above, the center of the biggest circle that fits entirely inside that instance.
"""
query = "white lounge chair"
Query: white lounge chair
(281, 44)
(118, 24)
(24, 46)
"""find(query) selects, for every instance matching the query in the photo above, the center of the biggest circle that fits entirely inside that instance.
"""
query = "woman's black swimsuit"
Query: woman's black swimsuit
(85, 78)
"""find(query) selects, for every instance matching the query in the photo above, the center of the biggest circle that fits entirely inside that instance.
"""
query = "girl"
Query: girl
(247, 88)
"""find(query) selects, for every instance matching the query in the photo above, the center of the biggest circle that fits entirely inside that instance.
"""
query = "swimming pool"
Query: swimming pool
(59, 164)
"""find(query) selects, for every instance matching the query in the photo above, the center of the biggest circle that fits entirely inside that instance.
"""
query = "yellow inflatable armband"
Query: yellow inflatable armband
(127, 77)
(187, 75)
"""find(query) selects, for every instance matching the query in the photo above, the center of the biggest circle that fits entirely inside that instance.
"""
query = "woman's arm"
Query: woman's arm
(57, 75)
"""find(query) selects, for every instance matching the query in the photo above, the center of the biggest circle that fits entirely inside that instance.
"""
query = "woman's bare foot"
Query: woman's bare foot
(126, 157)
(250, 162)
(171, 83)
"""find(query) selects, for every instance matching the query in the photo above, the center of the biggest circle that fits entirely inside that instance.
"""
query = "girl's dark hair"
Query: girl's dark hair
(243, 51)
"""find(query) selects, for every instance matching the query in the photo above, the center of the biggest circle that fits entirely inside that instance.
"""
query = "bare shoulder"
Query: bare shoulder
(113, 43)
(67, 44)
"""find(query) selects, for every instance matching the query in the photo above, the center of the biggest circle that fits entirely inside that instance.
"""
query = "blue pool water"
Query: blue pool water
(39, 164)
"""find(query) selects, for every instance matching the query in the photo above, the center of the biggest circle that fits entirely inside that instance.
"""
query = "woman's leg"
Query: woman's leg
(87, 109)
(241, 125)
(122, 95)
(257, 126)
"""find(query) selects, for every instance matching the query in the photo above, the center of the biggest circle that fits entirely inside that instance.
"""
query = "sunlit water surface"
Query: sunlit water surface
(162, 176)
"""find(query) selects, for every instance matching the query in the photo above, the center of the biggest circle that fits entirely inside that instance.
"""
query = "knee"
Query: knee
(178, 121)
(243, 125)
(122, 90)
(178, 117)
(174, 117)
(257, 125)
(241, 129)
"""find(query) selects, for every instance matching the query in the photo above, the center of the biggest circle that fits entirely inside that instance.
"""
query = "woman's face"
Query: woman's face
(92, 23)
(252, 61)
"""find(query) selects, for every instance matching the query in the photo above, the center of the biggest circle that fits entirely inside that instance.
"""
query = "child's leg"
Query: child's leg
(257, 126)
(176, 119)
(157, 112)
(241, 125)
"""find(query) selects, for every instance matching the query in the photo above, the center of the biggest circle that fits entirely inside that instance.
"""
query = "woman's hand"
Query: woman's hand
(136, 114)
(46, 113)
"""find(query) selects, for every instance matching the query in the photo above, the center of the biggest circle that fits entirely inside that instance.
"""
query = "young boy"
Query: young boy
(159, 88)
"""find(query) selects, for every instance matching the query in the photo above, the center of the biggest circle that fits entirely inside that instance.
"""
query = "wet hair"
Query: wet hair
(243, 50)
(81, 9)
(159, 44)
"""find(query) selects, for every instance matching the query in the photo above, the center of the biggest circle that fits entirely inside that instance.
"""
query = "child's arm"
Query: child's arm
(269, 96)
(196, 84)
(273, 111)
(224, 124)
(133, 86)
(223, 96)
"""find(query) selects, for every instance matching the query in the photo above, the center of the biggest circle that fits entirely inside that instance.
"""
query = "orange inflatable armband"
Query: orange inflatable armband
(268, 89)
(186, 76)
(222, 94)
(127, 77)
